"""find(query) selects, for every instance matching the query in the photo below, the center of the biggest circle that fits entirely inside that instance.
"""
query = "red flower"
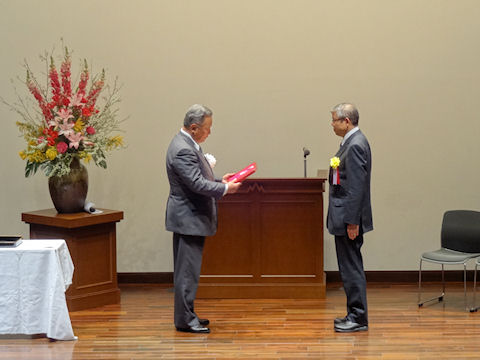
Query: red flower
(55, 82)
(95, 90)
(62, 147)
(38, 96)
(65, 71)
(90, 130)
(83, 80)
(86, 112)
(51, 136)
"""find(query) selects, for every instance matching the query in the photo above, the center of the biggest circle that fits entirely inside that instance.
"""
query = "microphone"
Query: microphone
(306, 152)
(89, 207)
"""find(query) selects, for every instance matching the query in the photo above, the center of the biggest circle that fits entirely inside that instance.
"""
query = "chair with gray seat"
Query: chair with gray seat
(460, 242)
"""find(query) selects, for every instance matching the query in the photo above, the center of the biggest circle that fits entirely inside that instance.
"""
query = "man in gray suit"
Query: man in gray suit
(191, 211)
(350, 213)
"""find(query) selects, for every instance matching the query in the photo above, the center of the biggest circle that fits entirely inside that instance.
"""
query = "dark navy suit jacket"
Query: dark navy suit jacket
(349, 202)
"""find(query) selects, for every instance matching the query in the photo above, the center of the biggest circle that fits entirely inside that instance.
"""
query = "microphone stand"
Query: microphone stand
(305, 166)
(306, 152)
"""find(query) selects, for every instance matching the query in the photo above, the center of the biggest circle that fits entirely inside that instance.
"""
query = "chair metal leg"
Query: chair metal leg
(439, 298)
(420, 284)
(475, 307)
(443, 284)
(465, 285)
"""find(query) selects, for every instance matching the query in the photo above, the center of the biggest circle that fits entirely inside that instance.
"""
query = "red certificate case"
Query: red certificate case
(244, 173)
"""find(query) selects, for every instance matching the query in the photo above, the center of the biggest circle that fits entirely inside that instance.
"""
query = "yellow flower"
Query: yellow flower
(37, 156)
(78, 125)
(334, 162)
(114, 142)
(85, 156)
(51, 153)
(22, 154)
(118, 140)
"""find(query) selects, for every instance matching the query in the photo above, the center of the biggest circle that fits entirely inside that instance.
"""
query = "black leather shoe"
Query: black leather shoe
(204, 322)
(350, 326)
(195, 329)
(339, 320)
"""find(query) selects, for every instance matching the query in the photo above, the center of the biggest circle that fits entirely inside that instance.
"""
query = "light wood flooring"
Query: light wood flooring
(141, 327)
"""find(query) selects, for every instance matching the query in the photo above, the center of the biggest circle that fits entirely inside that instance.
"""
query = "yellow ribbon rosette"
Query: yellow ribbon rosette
(335, 162)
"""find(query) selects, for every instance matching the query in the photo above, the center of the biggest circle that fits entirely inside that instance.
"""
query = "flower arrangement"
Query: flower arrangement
(65, 122)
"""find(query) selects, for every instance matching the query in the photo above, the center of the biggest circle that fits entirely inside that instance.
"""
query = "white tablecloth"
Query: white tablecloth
(33, 279)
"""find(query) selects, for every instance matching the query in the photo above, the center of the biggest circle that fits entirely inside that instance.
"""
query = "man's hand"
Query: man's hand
(352, 231)
(233, 187)
(226, 176)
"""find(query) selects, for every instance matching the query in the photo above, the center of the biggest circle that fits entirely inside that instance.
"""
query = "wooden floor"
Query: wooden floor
(141, 327)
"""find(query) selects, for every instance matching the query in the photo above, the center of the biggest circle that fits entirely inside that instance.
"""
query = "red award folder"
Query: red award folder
(243, 174)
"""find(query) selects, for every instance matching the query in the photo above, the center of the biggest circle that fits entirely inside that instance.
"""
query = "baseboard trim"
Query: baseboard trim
(387, 276)
(145, 278)
(406, 276)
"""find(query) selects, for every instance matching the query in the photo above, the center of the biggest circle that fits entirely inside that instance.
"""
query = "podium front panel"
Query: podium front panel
(269, 242)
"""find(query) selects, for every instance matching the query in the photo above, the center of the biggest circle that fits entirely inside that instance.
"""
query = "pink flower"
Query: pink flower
(53, 122)
(62, 147)
(66, 129)
(90, 130)
(65, 114)
(74, 139)
(41, 139)
(76, 100)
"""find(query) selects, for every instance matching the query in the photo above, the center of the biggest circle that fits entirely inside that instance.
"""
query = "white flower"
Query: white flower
(211, 160)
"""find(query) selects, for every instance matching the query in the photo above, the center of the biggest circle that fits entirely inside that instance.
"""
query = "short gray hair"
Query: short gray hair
(347, 110)
(196, 115)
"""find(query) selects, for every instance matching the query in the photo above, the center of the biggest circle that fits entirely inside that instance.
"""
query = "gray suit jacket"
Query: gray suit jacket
(349, 202)
(191, 206)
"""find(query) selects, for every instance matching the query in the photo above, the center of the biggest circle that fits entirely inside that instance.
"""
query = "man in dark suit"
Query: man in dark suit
(350, 213)
(191, 211)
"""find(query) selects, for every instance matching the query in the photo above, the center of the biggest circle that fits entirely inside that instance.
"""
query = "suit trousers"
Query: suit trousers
(350, 265)
(187, 263)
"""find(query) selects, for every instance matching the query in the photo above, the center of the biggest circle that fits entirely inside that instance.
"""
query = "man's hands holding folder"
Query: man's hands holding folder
(232, 185)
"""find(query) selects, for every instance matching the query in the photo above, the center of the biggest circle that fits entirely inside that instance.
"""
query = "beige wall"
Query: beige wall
(271, 71)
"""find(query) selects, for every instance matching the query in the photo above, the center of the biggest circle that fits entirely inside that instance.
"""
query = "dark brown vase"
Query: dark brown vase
(68, 192)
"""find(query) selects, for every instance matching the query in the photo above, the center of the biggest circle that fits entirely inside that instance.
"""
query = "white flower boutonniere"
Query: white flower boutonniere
(211, 160)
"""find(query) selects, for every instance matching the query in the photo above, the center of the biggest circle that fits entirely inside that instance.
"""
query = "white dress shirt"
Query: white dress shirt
(348, 134)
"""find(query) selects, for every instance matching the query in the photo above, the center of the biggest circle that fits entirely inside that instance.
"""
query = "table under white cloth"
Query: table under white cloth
(33, 279)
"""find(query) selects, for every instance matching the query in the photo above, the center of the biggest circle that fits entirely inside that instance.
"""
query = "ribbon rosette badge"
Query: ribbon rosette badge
(334, 164)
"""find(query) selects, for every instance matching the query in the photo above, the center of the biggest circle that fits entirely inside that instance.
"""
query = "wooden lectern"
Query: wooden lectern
(91, 240)
(269, 242)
